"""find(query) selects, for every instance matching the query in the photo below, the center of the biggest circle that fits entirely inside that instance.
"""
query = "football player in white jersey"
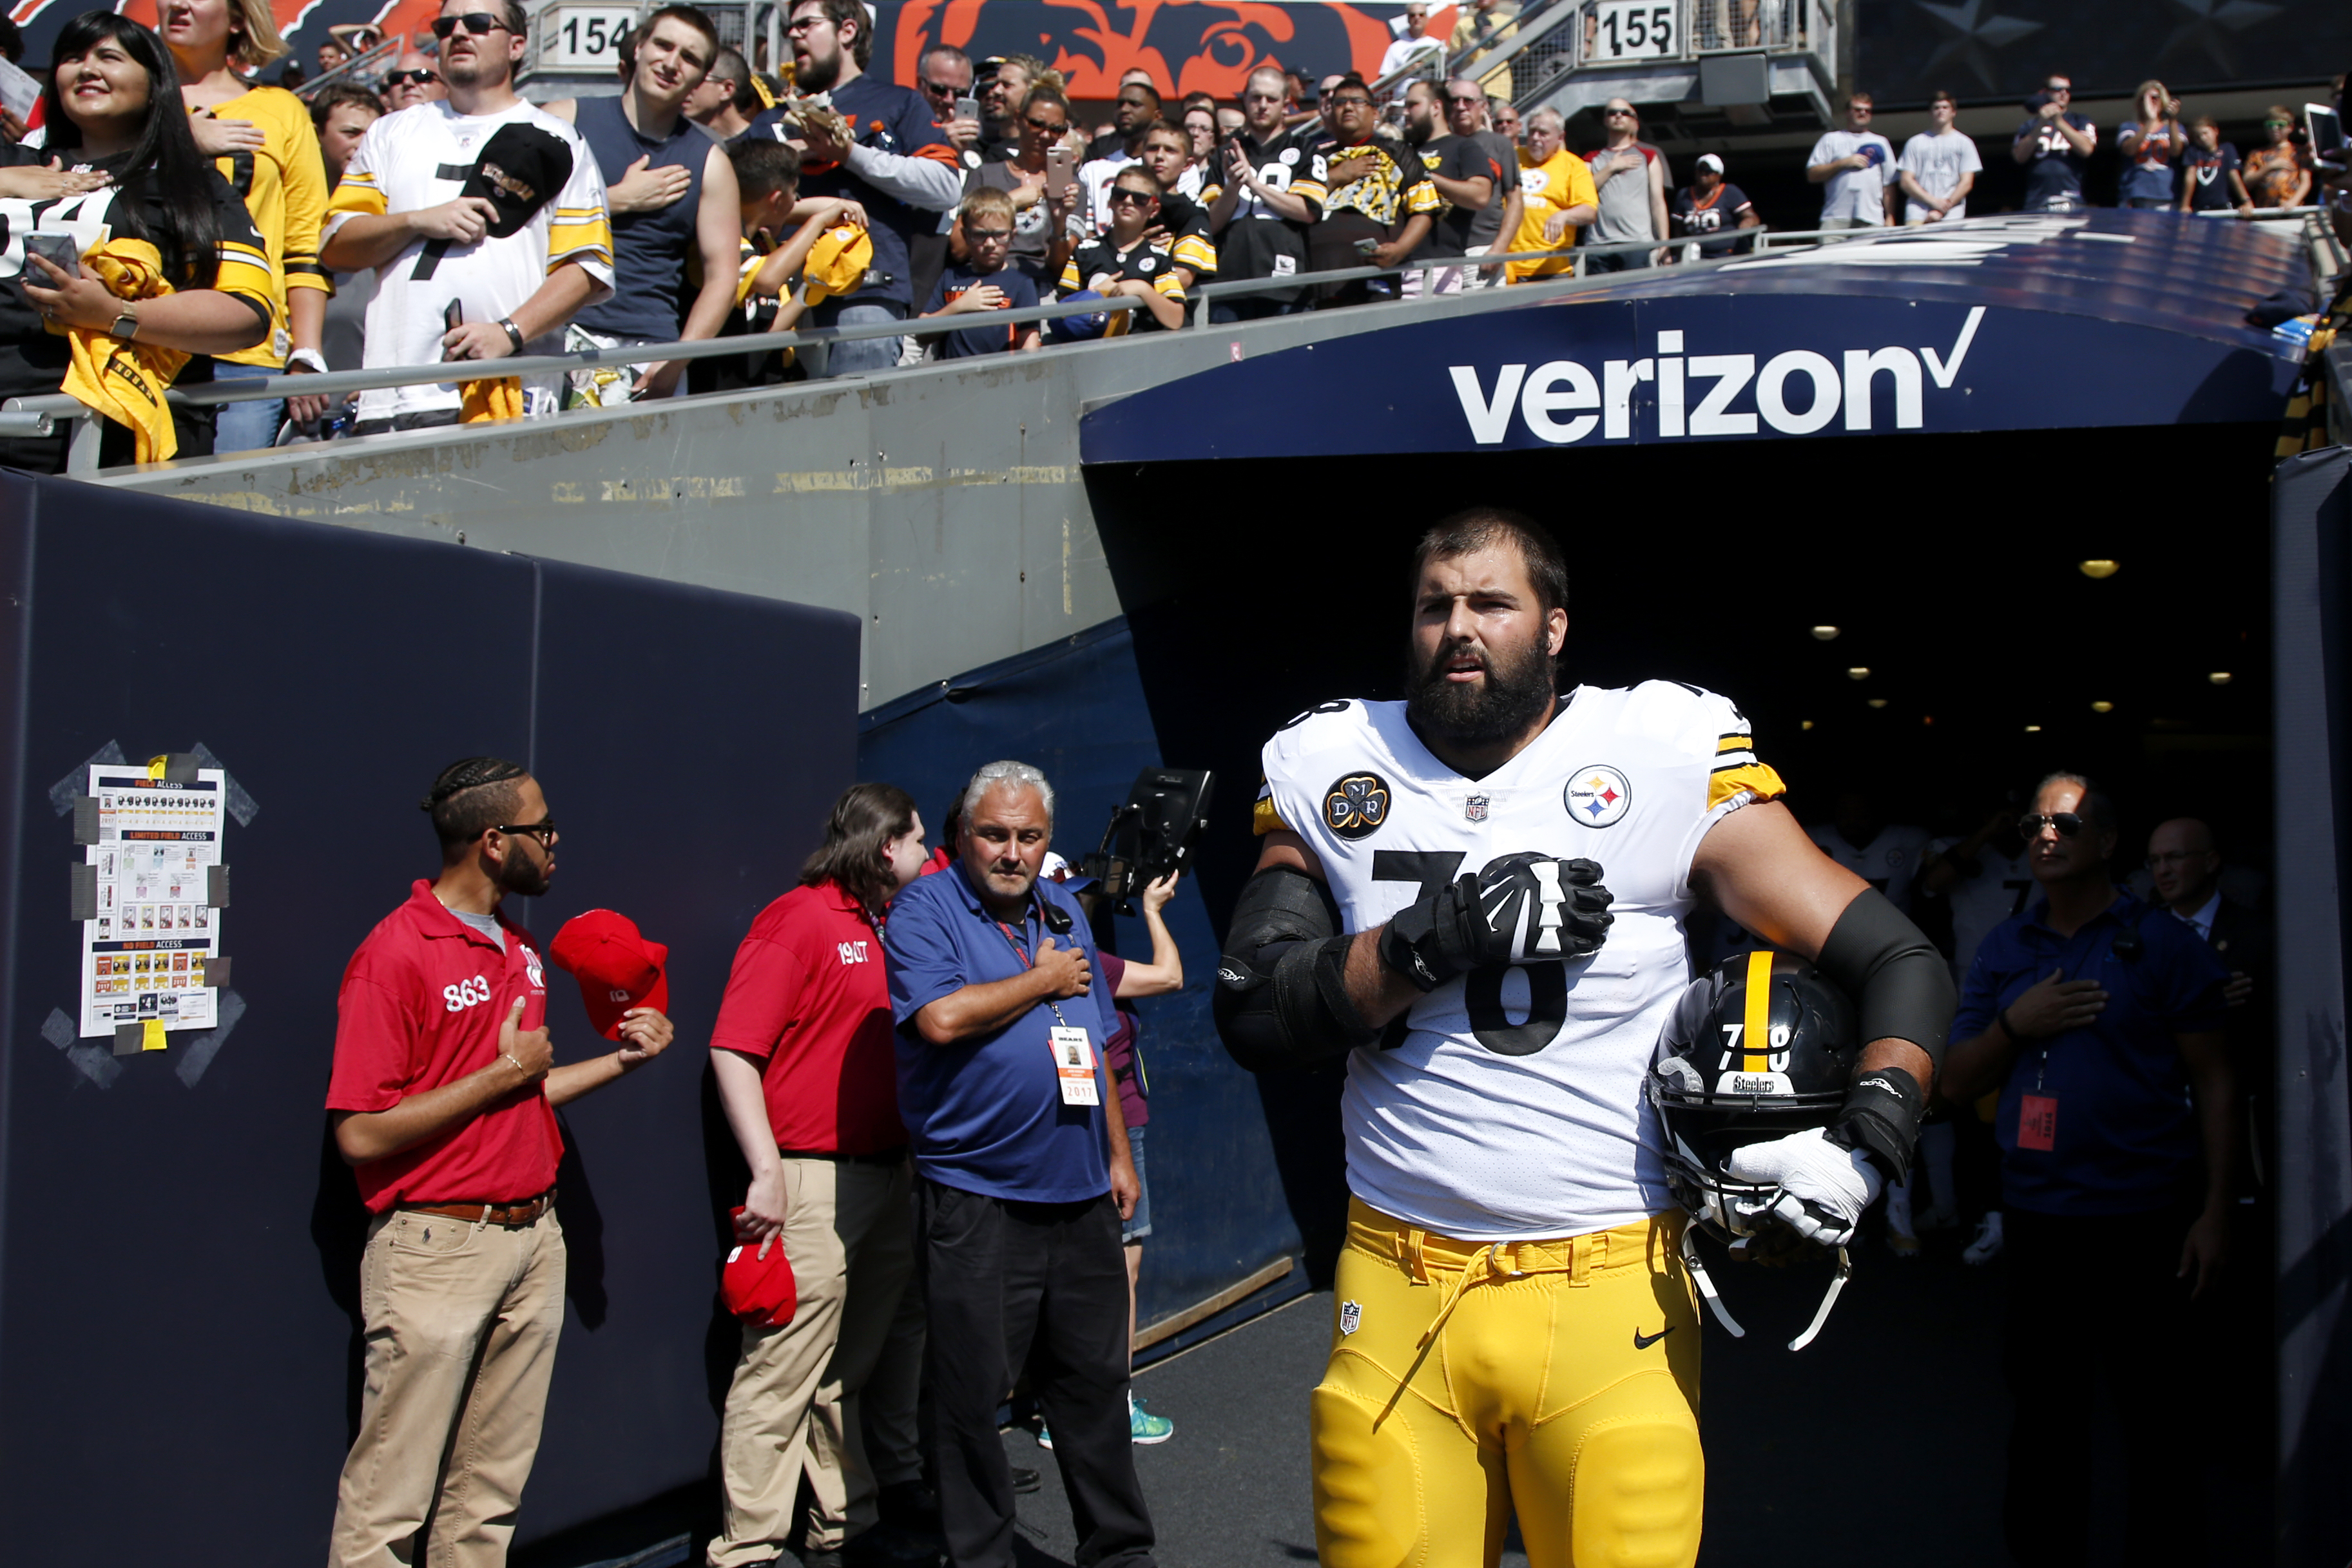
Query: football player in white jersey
(1476, 894)
(1887, 855)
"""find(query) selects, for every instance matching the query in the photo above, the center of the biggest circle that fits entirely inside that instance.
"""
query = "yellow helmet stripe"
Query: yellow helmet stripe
(1758, 1011)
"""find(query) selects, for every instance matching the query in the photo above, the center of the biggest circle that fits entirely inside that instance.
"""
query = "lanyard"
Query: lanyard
(1023, 954)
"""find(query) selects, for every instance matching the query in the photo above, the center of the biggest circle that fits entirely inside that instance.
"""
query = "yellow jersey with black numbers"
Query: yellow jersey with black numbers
(1508, 1106)
(284, 187)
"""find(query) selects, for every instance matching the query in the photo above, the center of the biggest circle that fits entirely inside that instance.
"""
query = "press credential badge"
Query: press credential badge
(1074, 1063)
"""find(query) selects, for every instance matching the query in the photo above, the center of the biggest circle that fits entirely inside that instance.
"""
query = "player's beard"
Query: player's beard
(1516, 690)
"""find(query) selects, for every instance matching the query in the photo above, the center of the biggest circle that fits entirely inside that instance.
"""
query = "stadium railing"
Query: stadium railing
(43, 415)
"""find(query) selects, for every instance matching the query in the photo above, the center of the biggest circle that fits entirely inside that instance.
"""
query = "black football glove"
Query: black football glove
(1522, 909)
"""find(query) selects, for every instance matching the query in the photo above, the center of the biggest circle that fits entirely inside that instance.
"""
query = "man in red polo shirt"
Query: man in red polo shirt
(807, 1071)
(444, 1096)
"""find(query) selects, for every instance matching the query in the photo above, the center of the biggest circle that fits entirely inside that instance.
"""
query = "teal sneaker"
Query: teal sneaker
(1146, 1428)
(1045, 1438)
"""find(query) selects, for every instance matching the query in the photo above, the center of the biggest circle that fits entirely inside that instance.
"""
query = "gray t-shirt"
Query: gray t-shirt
(1625, 213)
(1506, 154)
(1031, 242)
(487, 924)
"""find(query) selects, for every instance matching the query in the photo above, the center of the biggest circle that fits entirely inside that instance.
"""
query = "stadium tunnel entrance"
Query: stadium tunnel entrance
(1910, 615)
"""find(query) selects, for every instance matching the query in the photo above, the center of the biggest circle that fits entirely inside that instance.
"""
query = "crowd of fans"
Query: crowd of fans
(431, 214)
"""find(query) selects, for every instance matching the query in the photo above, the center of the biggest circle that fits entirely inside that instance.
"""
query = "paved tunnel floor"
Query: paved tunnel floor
(1783, 1431)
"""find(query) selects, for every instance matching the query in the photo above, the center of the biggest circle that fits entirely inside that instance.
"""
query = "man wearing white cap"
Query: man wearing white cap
(1709, 205)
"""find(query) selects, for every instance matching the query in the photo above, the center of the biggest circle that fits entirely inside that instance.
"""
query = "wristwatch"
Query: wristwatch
(126, 324)
(514, 333)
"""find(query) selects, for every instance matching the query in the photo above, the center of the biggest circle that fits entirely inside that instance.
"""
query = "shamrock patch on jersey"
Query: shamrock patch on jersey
(1356, 806)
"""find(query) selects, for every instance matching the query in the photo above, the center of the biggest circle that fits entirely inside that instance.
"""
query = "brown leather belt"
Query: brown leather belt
(509, 1214)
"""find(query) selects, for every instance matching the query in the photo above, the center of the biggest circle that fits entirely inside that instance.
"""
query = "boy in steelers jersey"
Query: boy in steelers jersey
(1123, 262)
(1477, 895)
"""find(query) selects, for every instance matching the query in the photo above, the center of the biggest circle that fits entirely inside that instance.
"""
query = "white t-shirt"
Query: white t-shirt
(1405, 51)
(1857, 194)
(1889, 862)
(1095, 176)
(420, 157)
(1935, 164)
(1509, 1106)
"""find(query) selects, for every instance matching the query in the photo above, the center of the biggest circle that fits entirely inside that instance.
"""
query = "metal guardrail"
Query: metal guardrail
(40, 415)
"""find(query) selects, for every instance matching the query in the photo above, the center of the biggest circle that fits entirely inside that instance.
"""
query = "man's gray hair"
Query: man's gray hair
(1546, 113)
(2098, 806)
(1005, 775)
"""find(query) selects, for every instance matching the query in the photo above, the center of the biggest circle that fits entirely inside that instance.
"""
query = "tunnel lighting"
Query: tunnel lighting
(2097, 568)
(1858, 673)
(2103, 707)
(1805, 724)
(1825, 634)
(1926, 719)
(1878, 702)
(2033, 729)
(2219, 677)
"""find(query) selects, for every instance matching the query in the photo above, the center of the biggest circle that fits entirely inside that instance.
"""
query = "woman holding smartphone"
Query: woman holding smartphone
(1042, 183)
(262, 141)
(113, 106)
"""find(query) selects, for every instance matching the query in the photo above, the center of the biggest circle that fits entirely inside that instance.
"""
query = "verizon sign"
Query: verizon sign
(1798, 391)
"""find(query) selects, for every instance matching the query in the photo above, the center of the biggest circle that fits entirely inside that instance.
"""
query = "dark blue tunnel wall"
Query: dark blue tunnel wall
(178, 1252)
(1077, 709)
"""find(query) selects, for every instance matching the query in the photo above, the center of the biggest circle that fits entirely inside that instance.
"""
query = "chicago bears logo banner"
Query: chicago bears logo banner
(1188, 46)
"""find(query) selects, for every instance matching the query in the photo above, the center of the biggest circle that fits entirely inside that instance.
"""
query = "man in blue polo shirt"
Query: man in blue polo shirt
(1023, 1175)
(2099, 1019)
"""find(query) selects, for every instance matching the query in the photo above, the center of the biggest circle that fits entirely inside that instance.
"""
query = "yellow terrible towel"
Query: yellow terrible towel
(120, 379)
(484, 401)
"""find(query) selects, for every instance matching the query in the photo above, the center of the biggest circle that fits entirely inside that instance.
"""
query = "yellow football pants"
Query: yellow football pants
(1560, 1378)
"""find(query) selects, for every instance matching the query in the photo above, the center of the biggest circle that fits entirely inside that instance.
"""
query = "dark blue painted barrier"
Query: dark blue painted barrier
(1077, 709)
(178, 1259)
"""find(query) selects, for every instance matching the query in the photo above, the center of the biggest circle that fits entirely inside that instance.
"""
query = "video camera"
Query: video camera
(1152, 832)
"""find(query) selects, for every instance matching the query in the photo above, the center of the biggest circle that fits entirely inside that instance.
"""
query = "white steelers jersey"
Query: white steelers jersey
(1510, 1106)
(1889, 862)
(2002, 886)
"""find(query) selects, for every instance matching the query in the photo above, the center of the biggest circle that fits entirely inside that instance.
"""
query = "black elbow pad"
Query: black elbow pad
(1281, 998)
(1901, 986)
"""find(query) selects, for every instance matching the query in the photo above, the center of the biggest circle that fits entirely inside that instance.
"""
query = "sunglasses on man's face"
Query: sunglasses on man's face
(985, 236)
(402, 78)
(2068, 824)
(1134, 198)
(477, 23)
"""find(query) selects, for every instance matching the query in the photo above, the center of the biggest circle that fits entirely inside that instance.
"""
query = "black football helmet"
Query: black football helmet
(1759, 1046)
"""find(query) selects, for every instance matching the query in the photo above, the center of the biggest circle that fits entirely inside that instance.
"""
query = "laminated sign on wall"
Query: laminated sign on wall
(148, 895)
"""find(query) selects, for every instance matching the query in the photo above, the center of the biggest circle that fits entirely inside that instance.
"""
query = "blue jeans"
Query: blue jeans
(246, 426)
(860, 356)
(1133, 1230)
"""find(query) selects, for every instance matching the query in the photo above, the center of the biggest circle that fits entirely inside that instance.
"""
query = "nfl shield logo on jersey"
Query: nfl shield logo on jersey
(1351, 1317)
(1598, 797)
(1475, 807)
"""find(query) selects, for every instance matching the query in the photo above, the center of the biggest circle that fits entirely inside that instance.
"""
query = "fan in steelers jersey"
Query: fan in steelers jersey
(1476, 895)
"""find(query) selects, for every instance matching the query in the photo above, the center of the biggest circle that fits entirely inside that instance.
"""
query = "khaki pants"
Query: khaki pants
(462, 1324)
(793, 1409)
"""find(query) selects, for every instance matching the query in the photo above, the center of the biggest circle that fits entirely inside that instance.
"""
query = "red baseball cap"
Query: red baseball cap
(617, 968)
(760, 1289)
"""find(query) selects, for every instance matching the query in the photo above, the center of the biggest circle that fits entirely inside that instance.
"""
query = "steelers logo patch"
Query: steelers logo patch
(1598, 797)
(1356, 806)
